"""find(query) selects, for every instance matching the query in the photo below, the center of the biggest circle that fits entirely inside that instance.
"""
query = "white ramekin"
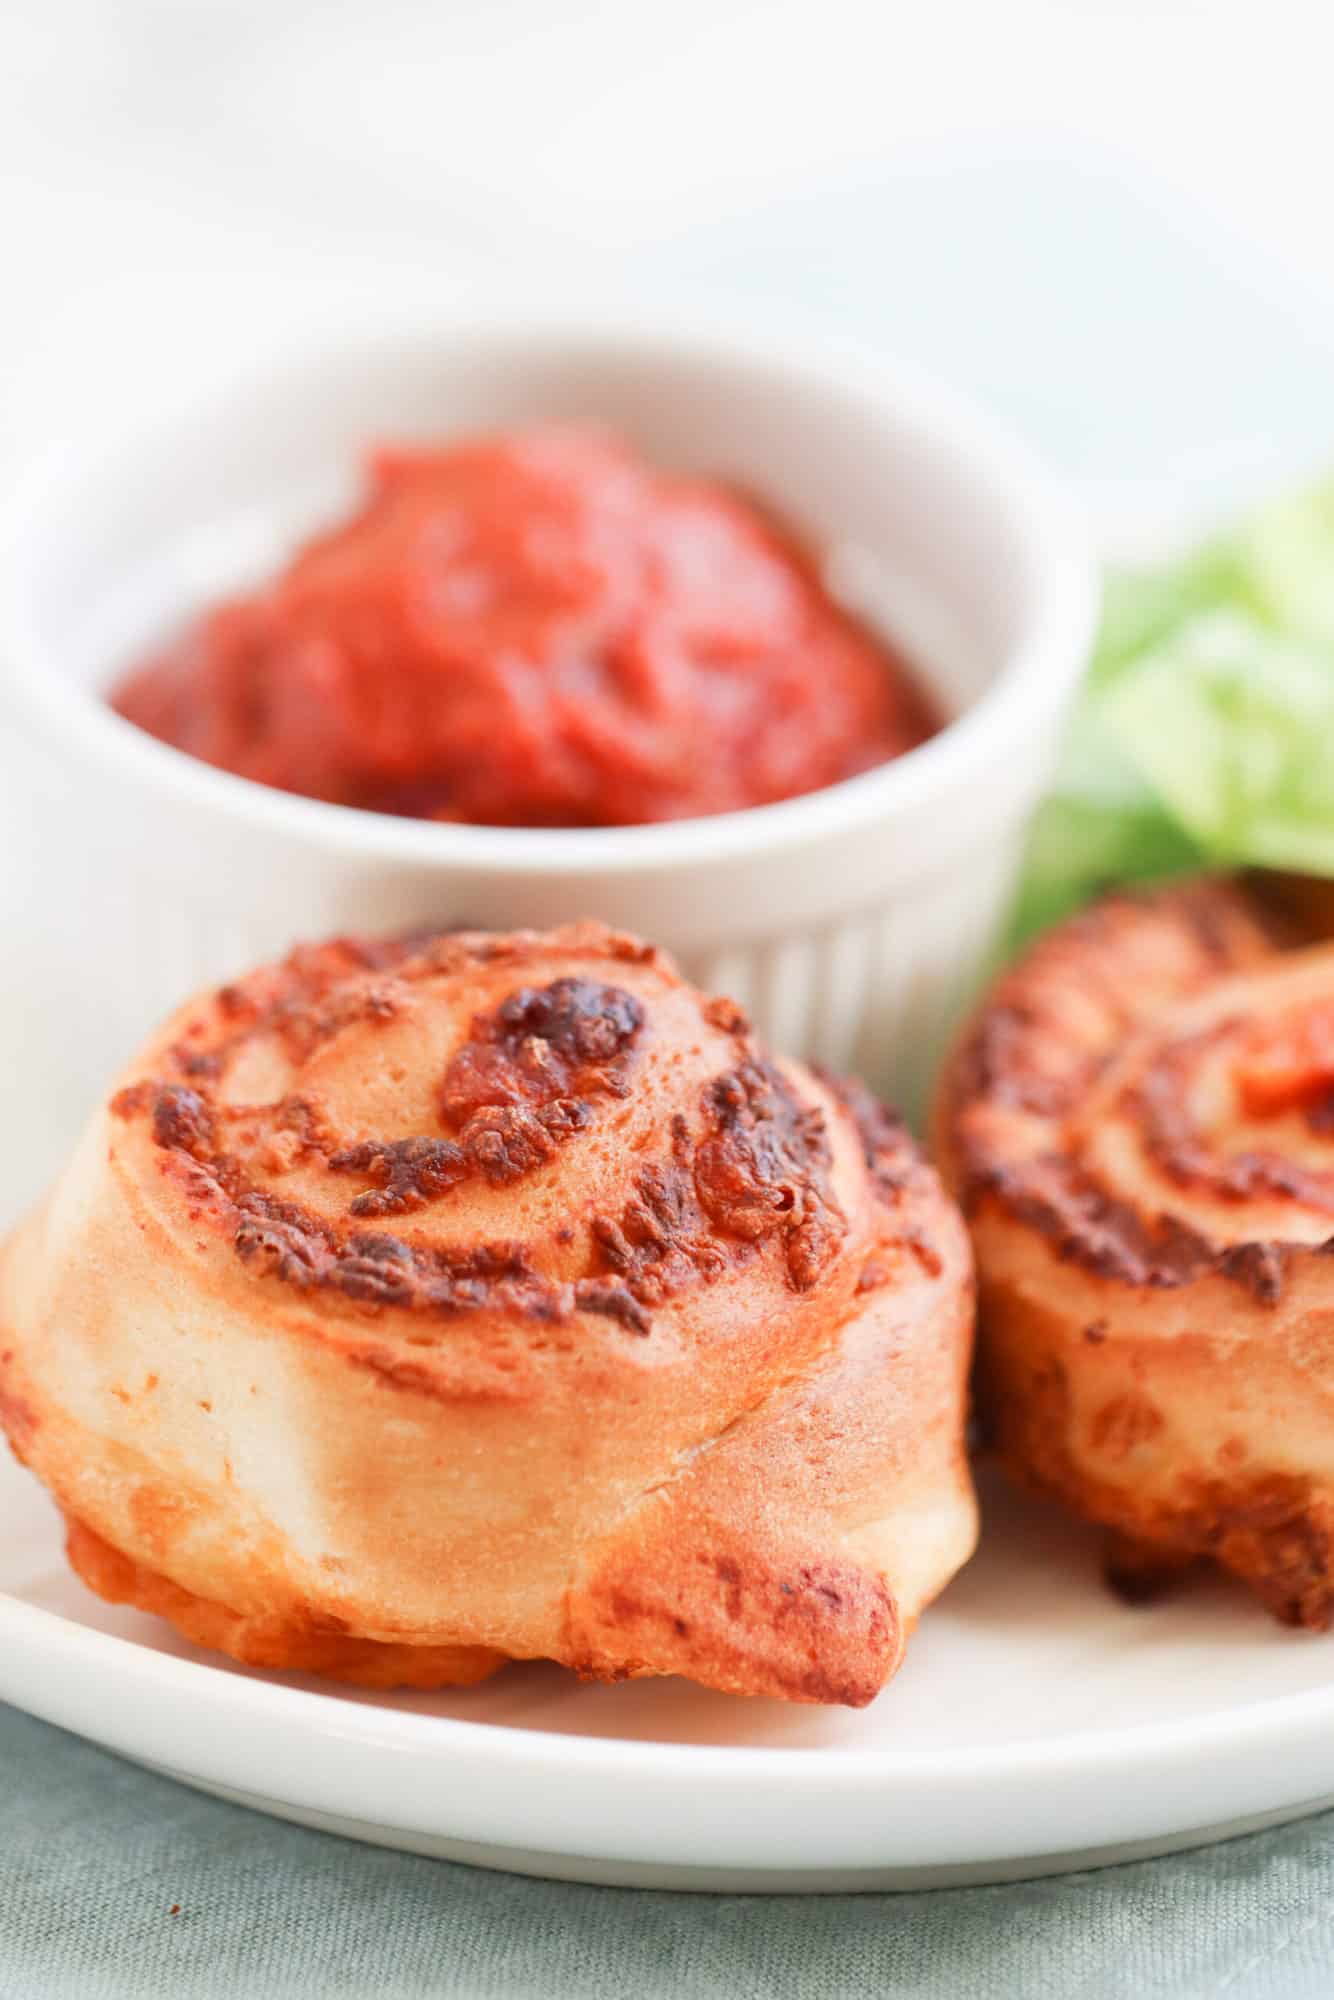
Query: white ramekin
(850, 921)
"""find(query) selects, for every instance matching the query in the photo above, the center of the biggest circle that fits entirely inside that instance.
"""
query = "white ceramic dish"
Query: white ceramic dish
(850, 921)
(1038, 1724)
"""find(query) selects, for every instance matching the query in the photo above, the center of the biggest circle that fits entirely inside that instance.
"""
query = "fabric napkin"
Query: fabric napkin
(118, 1885)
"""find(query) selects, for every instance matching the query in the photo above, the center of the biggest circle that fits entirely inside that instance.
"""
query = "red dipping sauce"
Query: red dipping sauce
(536, 630)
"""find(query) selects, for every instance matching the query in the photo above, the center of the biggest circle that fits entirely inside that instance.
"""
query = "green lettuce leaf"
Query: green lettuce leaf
(1205, 731)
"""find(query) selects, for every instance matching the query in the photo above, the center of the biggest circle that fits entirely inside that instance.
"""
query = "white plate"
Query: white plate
(1037, 1724)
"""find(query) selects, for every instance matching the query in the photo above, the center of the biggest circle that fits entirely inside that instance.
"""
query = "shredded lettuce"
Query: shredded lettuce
(1205, 731)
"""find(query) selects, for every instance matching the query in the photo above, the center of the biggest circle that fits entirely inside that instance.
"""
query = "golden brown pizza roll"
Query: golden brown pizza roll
(415, 1306)
(1140, 1123)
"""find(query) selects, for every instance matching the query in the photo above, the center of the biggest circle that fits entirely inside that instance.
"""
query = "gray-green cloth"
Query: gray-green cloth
(117, 1885)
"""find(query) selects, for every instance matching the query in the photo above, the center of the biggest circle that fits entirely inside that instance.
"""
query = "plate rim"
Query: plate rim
(1176, 1740)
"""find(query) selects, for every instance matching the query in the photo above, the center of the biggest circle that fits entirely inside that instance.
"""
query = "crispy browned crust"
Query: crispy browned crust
(415, 1304)
(1138, 1124)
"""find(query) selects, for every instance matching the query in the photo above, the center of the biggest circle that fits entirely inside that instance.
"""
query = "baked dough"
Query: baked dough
(1140, 1124)
(419, 1305)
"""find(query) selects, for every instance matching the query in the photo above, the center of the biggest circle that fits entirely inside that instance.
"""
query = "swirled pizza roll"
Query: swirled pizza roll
(412, 1307)
(1140, 1124)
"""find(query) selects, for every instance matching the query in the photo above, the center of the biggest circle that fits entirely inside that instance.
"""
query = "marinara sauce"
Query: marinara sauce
(536, 629)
